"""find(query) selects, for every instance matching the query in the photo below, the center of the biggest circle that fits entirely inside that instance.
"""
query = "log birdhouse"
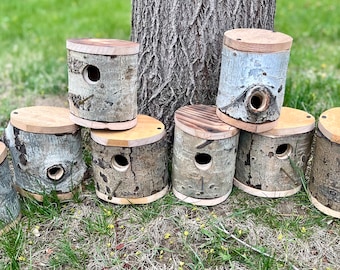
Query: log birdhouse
(270, 164)
(204, 155)
(102, 84)
(130, 167)
(324, 185)
(252, 79)
(46, 150)
(9, 201)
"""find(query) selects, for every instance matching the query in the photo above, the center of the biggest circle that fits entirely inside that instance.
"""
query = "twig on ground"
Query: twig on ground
(221, 228)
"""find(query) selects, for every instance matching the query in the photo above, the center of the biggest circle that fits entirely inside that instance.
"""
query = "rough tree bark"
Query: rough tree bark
(180, 53)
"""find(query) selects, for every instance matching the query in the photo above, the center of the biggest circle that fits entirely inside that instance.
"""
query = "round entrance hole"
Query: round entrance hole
(283, 151)
(203, 161)
(258, 99)
(120, 163)
(55, 172)
(91, 74)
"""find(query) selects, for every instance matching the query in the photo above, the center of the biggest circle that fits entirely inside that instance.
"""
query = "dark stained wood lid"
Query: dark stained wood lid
(148, 130)
(292, 121)
(329, 124)
(257, 40)
(102, 46)
(201, 121)
(3, 152)
(43, 119)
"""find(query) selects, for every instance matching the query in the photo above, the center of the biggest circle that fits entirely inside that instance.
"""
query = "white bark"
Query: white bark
(181, 43)
(111, 96)
(45, 162)
(9, 201)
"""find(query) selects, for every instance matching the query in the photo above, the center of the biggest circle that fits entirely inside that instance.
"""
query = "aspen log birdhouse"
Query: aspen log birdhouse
(46, 150)
(270, 164)
(130, 167)
(9, 201)
(252, 79)
(324, 184)
(204, 155)
(102, 89)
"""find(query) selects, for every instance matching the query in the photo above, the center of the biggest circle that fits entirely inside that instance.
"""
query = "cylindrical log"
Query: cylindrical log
(130, 167)
(252, 79)
(46, 150)
(204, 155)
(102, 85)
(9, 201)
(270, 164)
(324, 185)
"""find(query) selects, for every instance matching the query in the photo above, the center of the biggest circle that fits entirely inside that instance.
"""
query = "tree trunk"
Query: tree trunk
(180, 49)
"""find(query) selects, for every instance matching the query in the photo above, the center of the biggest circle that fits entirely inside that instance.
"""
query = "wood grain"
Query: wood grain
(102, 46)
(43, 119)
(103, 125)
(292, 121)
(201, 121)
(255, 128)
(3, 152)
(257, 40)
(144, 200)
(147, 130)
(329, 124)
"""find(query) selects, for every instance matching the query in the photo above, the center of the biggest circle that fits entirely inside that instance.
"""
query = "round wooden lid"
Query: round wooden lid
(292, 121)
(43, 119)
(3, 152)
(148, 130)
(329, 124)
(257, 40)
(103, 46)
(201, 121)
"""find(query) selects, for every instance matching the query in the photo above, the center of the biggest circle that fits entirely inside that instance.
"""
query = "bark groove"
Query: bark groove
(180, 53)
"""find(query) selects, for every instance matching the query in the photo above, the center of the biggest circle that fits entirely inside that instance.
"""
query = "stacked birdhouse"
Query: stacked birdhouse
(265, 140)
(129, 154)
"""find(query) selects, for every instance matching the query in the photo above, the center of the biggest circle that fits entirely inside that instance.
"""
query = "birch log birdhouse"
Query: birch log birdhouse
(46, 150)
(204, 155)
(9, 201)
(324, 185)
(130, 166)
(270, 164)
(252, 79)
(102, 87)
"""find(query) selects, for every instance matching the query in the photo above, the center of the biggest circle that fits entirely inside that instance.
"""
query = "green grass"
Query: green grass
(88, 232)
(313, 79)
(33, 43)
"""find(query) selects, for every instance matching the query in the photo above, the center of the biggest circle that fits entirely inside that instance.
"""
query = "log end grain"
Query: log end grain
(201, 121)
(148, 130)
(257, 40)
(102, 46)
(328, 124)
(43, 120)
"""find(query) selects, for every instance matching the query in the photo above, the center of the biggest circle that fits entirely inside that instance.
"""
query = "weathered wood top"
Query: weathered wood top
(201, 121)
(292, 121)
(3, 152)
(43, 119)
(329, 124)
(102, 46)
(148, 130)
(257, 40)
